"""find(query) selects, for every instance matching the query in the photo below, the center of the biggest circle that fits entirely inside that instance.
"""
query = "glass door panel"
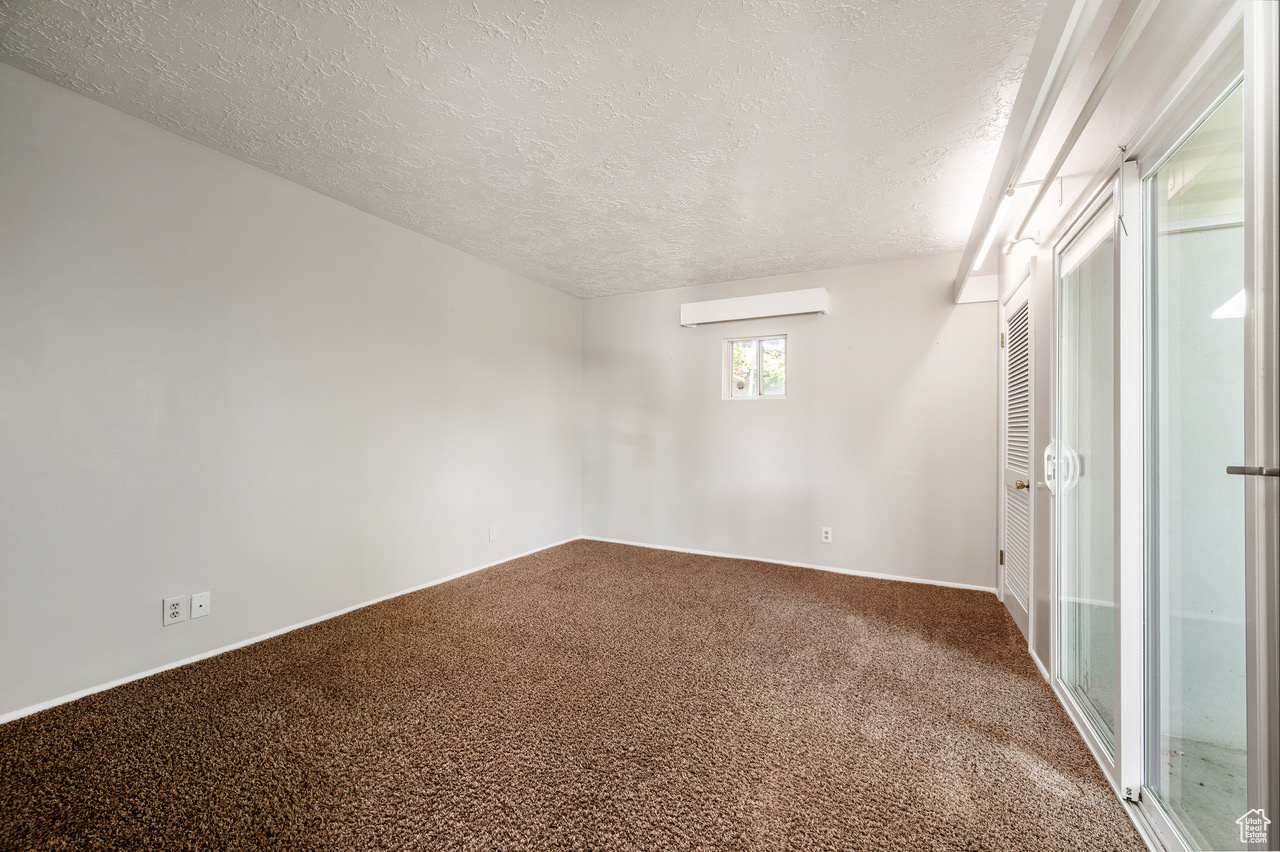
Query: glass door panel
(1086, 455)
(1197, 725)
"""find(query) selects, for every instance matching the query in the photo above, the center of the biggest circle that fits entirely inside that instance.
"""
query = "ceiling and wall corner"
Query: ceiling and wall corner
(596, 147)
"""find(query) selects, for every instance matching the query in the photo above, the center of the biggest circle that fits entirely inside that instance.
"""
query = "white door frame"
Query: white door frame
(1109, 192)
(1131, 522)
(1262, 411)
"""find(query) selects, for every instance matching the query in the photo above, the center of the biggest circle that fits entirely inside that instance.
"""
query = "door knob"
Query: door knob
(1019, 484)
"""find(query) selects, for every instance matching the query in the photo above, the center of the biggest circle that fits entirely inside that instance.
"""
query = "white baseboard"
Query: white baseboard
(54, 702)
(1044, 671)
(849, 571)
(63, 699)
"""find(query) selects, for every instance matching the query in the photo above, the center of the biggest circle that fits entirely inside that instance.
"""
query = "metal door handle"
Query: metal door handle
(1253, 470)
(1019, 484)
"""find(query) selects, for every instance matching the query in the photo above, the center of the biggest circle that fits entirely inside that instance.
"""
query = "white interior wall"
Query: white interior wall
(887, 435)
(213, 379)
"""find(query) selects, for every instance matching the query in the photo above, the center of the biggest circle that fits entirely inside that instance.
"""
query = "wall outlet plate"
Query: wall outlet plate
(199, 604)
(176, 609)
(493, 532)
(826, 534)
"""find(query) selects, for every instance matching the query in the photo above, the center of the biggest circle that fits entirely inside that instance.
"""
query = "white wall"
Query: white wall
(213, 379)
(888, 433)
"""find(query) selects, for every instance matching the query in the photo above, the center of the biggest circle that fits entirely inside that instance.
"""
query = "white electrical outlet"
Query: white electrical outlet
(826, 534)
(199, 604)
(493, 532)
(176, 609)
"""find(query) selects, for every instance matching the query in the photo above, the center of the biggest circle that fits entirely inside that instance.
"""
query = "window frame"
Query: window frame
(726, 367)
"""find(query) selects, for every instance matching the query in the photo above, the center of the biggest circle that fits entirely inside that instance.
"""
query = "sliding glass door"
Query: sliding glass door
(1197, 720)
(1086, 452)
(1163, 465)
(1183, 701)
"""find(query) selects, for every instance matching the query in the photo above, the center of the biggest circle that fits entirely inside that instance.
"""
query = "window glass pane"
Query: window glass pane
(1086, 478)
(742, 378)
(773, 366)
(1198, 732)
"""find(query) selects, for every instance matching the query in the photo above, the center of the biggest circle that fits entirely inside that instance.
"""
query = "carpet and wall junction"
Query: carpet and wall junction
(590, 696)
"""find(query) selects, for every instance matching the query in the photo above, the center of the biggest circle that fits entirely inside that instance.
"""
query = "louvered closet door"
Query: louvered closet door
(1015, 534)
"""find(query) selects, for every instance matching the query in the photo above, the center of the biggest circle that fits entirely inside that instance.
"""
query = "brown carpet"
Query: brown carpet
(592, 696)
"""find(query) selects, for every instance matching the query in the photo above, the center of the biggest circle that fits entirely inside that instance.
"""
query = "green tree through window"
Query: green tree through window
(757, 367)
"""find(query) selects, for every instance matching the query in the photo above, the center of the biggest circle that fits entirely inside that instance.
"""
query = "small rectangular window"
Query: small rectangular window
(756, 368)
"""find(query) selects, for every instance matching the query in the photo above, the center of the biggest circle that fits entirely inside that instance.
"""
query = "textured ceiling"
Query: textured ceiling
(597, 146)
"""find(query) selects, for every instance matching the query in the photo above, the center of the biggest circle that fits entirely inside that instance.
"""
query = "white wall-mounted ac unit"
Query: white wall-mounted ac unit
(812, 301)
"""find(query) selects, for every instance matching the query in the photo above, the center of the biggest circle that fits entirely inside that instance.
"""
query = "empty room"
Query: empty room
(724, 424)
